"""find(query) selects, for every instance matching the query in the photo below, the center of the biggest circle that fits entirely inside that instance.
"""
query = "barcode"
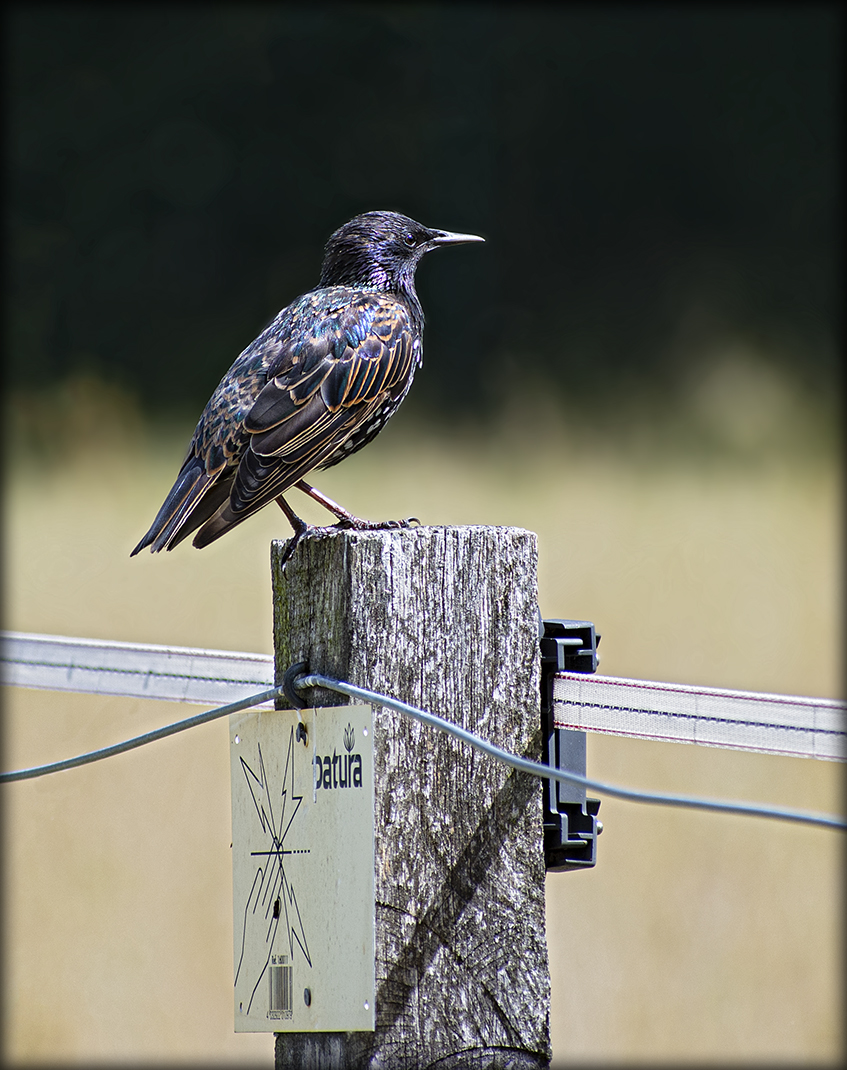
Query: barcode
(280, 1004)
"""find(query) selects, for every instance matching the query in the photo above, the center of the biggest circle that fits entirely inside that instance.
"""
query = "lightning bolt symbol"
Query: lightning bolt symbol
(271, 888)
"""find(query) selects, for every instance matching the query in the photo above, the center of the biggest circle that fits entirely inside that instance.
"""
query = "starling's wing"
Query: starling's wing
(219, 441)
(347, 356)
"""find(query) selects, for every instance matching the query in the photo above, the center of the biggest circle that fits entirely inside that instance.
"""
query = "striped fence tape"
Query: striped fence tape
(712, 717)
(738, 720)
(135, 670)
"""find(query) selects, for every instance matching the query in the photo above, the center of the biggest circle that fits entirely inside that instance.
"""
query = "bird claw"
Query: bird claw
(309, 529)
(352, 523)
(301, 532)
(410, 521)
(290, 547)
(356, 523)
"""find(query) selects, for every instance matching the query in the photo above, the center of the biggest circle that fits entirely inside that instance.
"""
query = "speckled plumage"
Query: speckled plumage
(317, 385)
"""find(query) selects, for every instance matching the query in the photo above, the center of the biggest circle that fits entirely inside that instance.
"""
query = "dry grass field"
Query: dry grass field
(696, 937)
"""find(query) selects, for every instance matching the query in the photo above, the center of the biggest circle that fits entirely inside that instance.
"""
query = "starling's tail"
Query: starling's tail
(193, 498)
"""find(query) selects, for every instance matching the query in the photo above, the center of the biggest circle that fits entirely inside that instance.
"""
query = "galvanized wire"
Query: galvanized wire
(524, 765)
(139, 741)
(545, 772)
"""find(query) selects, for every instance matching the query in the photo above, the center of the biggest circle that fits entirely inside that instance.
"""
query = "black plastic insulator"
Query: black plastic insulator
(299, 668)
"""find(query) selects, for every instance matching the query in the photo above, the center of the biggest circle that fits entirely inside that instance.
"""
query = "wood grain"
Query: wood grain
(445, 619)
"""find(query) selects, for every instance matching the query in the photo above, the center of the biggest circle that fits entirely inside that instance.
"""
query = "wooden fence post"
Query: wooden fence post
(445, 619)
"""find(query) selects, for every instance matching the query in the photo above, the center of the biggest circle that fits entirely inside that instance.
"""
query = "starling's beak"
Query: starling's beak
(447, 237)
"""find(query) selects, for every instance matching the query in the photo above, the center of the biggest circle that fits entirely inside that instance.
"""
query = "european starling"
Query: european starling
(317, 385)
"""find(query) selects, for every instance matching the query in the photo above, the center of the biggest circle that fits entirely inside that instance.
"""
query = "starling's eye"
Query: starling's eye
(410, 240)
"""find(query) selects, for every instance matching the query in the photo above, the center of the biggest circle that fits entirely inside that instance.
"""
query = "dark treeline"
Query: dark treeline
(648, 180)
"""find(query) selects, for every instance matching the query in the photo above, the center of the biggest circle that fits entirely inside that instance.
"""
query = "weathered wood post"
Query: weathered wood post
(445, 619)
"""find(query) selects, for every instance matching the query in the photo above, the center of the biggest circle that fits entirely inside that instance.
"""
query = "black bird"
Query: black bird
(316, 385)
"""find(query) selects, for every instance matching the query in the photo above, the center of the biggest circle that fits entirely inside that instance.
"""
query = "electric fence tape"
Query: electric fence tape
(691, 715)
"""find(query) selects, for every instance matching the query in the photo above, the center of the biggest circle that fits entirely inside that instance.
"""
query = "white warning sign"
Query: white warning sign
(303, 869)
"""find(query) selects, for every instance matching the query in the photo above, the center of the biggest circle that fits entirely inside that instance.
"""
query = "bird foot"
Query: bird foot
(354, 524)
(300, 533)
(346, 520)
(346, 523)
(357, 524)
(300, 527)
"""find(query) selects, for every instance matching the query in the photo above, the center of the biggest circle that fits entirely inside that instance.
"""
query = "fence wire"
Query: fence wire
(524, 765)
(140, 741)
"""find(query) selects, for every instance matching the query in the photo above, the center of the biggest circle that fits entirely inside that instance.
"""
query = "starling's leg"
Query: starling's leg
(298, 524)
(338, 511)
(346, 518)
(300, 529)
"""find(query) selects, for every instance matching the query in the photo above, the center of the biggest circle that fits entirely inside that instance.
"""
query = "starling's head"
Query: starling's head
(381, 249)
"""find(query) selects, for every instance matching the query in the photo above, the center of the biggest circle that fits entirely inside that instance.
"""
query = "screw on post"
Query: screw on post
(294, 697)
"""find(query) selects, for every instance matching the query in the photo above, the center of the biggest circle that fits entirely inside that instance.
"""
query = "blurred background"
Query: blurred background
(640, 365)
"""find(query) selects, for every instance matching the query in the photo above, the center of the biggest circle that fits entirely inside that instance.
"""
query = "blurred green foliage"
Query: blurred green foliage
(652, 182)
